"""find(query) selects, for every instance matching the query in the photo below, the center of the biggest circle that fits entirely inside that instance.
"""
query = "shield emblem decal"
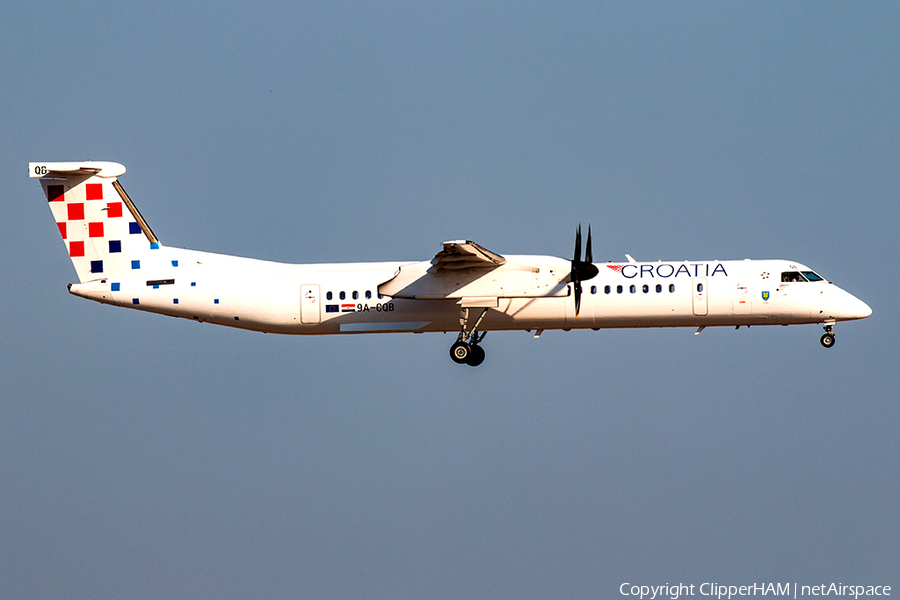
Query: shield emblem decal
(765, 296)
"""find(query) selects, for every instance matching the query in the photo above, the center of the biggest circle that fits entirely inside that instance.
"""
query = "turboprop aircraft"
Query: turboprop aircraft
(464, 289)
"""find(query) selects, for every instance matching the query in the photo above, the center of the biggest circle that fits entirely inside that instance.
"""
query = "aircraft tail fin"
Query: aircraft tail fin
(104, 233)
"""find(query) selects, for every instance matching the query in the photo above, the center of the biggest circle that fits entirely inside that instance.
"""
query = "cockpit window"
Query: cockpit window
(795, 276)
(791, 277)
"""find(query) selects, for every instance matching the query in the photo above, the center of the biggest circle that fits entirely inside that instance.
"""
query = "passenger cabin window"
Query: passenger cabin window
(329, 296)
(343, 295)
(368, 294)
(356, 295)
(593, 289)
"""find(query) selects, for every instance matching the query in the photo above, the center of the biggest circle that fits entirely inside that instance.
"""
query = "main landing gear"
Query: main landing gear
(827, 339)
(466, 349)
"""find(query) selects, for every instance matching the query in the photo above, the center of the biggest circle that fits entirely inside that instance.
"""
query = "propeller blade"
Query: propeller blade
(577, 298)
(577, 245)
(582, 270)
(588, 254)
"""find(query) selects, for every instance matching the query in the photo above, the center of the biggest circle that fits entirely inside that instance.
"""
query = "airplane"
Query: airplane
(464, 289)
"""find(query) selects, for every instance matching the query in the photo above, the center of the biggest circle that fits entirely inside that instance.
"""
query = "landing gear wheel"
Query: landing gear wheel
(460, 352)
(827, 340)
(476, 356)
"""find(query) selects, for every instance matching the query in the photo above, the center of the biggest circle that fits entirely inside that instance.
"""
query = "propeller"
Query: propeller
(582, 270)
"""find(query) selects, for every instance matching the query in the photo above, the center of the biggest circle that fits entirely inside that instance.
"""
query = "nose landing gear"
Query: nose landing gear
(827, 339)
(466, 350)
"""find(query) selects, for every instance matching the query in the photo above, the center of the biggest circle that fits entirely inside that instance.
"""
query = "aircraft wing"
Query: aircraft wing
(463, 254)
(476, 276)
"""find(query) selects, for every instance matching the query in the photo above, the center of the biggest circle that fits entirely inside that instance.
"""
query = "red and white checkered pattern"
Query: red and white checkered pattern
(100, 233)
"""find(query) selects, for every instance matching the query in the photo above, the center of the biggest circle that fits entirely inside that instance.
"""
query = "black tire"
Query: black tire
(476, 356)
(460, 352)
(827, 340)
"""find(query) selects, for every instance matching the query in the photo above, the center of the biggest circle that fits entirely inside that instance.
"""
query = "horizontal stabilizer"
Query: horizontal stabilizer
(88, 167)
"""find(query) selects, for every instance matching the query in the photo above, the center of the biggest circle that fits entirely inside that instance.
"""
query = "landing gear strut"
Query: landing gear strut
(827, 339)
(466, 349)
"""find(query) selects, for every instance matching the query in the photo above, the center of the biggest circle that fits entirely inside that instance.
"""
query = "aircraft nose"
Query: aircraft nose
(854, 308)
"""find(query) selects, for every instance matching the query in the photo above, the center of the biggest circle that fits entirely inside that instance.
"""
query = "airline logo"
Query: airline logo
(666, 270)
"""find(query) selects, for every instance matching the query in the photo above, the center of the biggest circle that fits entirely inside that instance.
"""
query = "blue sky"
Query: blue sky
(149, 457)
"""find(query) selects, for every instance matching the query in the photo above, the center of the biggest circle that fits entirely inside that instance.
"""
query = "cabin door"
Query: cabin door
(742, 299)
(310, 303)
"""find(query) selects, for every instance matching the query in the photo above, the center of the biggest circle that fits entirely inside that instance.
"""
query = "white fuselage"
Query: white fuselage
(527, 293)
(465, 288)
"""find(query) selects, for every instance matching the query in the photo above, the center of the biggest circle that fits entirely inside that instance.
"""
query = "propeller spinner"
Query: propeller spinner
(582, 270)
